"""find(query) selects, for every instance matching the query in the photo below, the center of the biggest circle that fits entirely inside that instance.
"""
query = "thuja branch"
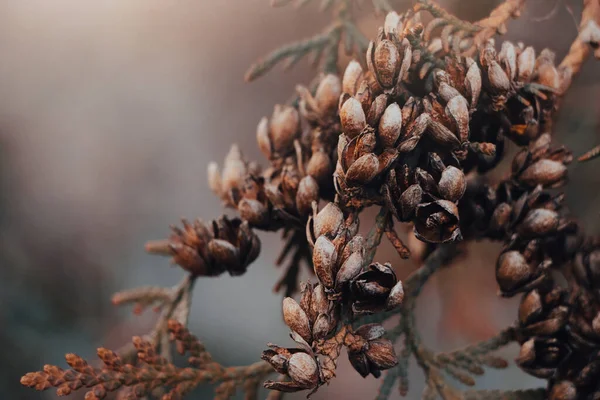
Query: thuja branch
(496, 22)
(324, 46)
(588, 39)
(174, 303)
(461, 36)
(293, 52)
(151, 372)
(460, 364)
(416, 281)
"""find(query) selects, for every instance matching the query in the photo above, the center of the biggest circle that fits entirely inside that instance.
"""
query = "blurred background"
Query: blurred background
(109, 113)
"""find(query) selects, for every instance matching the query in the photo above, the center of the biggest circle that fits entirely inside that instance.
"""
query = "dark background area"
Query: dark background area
(109, 113)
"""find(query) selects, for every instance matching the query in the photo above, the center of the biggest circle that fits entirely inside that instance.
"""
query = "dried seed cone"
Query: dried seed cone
(368, 352)
(377, 289)
(300, 367)
(211, 249)
(437, 222)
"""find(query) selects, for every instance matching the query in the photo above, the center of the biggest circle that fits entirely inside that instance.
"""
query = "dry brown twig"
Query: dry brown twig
(588, 39)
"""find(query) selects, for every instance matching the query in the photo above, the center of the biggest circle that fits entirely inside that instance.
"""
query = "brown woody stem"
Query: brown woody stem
(496, 22)
(581, 47)
(375, 234)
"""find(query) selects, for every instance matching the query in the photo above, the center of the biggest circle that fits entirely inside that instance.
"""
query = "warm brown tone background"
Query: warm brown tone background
(110, 111)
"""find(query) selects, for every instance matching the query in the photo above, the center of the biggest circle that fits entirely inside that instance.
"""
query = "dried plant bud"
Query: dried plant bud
(409, 111)
(214, 178)
(514, 274)
(320, 167)
(224, 253)
(544, 172)
(376, 110)
(443, 136)
(319, 302)
(497, 78)
(276, 137)
(458, 111)
(541, 357)
(473, 83)
(437, 222)
(500, 218)
(396, 296)
(306, 292)
(541, 316)
(329, 221)
(526, 64)
(390, 125)
(376, 289)
(370, 331)
(262, 137)
(328, 94)
(324, 261)
(406, 60)
(508, 59)
(452, 184)
(381, 354)
(322, 326)
(487, 55)
(586, 267)
(364, 95)
(545, 72)
(349, 269)
(538, 223)
(531, 308)
(426, 181)
(296, 319)
(352, 77)
(284, 128)
(563, 390)
(363, 170)
(409, 200)
(360, 363)
(234, 170)
(447, 92)
(352, 117)
(255, 212)
(308, 192)
(302, 369)
(384, 61)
